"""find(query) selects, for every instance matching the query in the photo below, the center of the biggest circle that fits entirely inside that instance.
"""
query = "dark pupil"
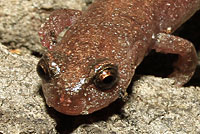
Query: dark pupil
(40, 71)
(108, 79)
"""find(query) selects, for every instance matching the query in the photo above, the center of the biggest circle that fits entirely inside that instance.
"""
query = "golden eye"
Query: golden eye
(43, 70)
(106, 77)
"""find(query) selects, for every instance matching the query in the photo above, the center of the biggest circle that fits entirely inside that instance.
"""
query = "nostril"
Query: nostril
(43, 71)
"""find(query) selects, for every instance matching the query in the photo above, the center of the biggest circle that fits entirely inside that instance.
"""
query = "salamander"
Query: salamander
(93, 63)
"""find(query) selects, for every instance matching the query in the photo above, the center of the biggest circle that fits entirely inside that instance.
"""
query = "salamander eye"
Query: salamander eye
(43, 70)
(106, 77)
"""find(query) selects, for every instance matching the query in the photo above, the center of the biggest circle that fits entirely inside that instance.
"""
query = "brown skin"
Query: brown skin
(96, 59)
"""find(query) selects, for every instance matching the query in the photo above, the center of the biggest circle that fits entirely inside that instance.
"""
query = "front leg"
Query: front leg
(56, 23)
(185, 66)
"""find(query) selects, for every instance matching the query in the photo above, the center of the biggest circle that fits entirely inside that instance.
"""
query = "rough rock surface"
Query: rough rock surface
(22, 109)
(154, 104)
(20, 20)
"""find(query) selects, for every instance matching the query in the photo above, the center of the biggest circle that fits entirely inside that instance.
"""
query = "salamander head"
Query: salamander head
(75, 85)
(88, 69)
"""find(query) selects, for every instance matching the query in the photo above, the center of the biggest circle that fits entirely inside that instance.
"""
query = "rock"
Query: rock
(20, 21)
(22, 108)
(154, 106)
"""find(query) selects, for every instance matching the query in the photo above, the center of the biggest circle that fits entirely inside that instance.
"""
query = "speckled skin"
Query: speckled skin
(116, 32)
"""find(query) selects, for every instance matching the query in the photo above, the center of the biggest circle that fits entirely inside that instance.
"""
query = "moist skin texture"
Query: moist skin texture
(94, 62)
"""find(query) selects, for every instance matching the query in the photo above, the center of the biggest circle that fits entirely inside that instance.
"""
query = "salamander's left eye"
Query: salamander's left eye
(106, 77)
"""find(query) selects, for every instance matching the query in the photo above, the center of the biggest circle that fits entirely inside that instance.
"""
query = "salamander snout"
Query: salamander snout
(78, 88)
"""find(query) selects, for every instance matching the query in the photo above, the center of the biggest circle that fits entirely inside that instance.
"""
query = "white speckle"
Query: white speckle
(153, 36)
(97, 69)
(56, 66)
(42, 27)
(84, 112)
(168, 4)
(169, 29)
(53, 64)
(77, 86)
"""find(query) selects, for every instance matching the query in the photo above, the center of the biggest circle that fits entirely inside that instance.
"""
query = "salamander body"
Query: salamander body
(94, 62)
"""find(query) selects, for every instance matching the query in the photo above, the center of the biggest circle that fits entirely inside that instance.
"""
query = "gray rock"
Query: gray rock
(155, 106)
(22, 108)
(20, 20)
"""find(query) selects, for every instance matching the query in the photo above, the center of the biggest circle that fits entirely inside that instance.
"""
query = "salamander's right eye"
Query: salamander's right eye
(43, 70)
